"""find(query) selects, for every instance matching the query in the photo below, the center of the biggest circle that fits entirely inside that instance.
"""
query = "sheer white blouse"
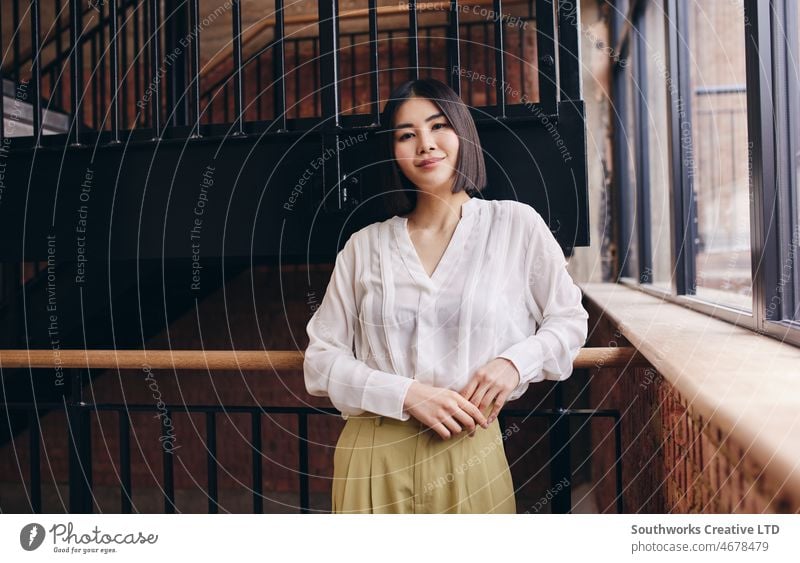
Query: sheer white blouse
(501, 289)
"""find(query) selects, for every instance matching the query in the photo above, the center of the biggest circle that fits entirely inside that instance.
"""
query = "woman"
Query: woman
(429, 323)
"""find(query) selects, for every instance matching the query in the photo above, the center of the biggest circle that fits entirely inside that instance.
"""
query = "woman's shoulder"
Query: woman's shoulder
(364, 237)
(521, 216)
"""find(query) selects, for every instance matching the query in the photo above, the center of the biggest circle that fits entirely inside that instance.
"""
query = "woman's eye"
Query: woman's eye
(434, 128)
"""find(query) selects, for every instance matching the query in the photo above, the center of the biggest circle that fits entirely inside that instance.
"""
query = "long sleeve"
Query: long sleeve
(330, 367)
(551, 351)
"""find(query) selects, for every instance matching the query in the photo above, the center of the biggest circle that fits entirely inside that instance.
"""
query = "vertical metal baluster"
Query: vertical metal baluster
(373, 64)
(35, 463)
(125, 493)
(2, 103)
(124, 65)
(485, 51)
(391, 60)
(226, 102)
(428, 62)
(80, 448)
(522, 60)
(237, 68)
(76, 69)
(168, 464)
(59, 28)
(211, 447)
(114, 86)
(101, 62)
(302, 435)
(279, 68)
(147, 43)
(545, 41)
(499, 59)
(51, 98)
(328, 18)
(618, 456)
(296, 71)
(162, 42)
(36, 95)
(195, 19)
(353, 74)
(413, 40)
(16, 38)
(255, 436)
(155, 62)
(317, 102)
(93, 75)
(137, 63)
(560, 467)
(569, 72)
(470, 46)
(259, 93)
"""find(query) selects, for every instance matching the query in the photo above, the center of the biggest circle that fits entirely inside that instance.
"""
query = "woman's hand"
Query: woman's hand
(492, 382)
(443, 410)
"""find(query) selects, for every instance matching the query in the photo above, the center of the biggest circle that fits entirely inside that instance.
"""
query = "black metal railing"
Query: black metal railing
(132, 44)
(78, 434)
(218, 94)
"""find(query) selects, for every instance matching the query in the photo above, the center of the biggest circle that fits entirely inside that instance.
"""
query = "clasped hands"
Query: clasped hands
(448, 412)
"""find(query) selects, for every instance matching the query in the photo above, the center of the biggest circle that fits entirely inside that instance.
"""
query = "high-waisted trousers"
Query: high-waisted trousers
(384, 465)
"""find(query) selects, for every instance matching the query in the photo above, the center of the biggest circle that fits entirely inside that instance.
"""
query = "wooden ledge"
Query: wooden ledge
(745, 384)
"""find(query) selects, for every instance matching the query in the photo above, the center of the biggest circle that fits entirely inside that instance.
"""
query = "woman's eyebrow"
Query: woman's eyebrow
(434, 116)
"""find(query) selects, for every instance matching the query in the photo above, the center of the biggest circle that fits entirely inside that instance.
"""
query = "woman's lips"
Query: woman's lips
(429, 163)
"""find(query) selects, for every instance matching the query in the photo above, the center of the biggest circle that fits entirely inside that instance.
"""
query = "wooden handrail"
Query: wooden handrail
(254, 30)
(279, 360)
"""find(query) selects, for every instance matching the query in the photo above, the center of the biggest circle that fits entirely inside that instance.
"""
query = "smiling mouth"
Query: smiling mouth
(429, 162)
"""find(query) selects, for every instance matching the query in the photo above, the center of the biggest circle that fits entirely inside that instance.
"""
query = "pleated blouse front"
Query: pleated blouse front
(501, 289)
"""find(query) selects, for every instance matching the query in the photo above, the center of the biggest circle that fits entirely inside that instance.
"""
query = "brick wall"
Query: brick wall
(674, 461)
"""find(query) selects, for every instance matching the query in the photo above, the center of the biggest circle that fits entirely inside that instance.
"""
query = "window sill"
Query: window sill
(745, 384)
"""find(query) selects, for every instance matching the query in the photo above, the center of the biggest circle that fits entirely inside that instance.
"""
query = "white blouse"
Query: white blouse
(501, 289)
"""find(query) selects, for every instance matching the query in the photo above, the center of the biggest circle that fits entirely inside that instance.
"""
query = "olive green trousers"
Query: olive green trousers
(384, 465)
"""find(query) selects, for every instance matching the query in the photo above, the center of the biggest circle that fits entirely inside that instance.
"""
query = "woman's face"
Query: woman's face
(425, 145)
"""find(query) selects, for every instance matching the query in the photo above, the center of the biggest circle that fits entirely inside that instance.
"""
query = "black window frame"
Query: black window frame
(772, 120)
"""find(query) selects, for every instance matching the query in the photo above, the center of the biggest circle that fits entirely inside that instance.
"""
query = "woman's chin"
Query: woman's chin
(432, 182)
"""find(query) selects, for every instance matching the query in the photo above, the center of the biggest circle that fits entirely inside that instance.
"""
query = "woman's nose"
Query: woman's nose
(425, 141)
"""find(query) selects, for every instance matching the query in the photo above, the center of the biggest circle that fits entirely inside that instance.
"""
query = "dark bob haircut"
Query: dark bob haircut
(401, 193)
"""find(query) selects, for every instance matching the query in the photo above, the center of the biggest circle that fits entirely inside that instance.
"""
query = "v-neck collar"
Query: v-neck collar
(451, 254)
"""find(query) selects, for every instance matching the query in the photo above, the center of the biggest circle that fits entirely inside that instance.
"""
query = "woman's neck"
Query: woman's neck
(437, 213)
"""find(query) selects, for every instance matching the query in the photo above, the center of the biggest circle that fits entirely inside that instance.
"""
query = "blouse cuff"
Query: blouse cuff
(527, 358)
(385, 393)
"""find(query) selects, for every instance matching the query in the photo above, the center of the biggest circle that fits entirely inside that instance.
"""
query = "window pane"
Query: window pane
(629, 138)
(720, 163)
(656, 114)
(793, 67)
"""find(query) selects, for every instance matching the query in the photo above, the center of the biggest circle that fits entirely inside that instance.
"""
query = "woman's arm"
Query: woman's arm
(330, 367)
(550, 352)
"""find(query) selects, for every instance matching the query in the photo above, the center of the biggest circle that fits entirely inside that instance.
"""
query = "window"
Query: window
(719, 140)
(712, 168)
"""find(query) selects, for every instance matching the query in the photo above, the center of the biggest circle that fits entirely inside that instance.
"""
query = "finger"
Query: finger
(498, 405)
(476, 414)
(452, 425)
(441, 430)
(467, 391)
(489, 397)
(466, 421)
(479, 394)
